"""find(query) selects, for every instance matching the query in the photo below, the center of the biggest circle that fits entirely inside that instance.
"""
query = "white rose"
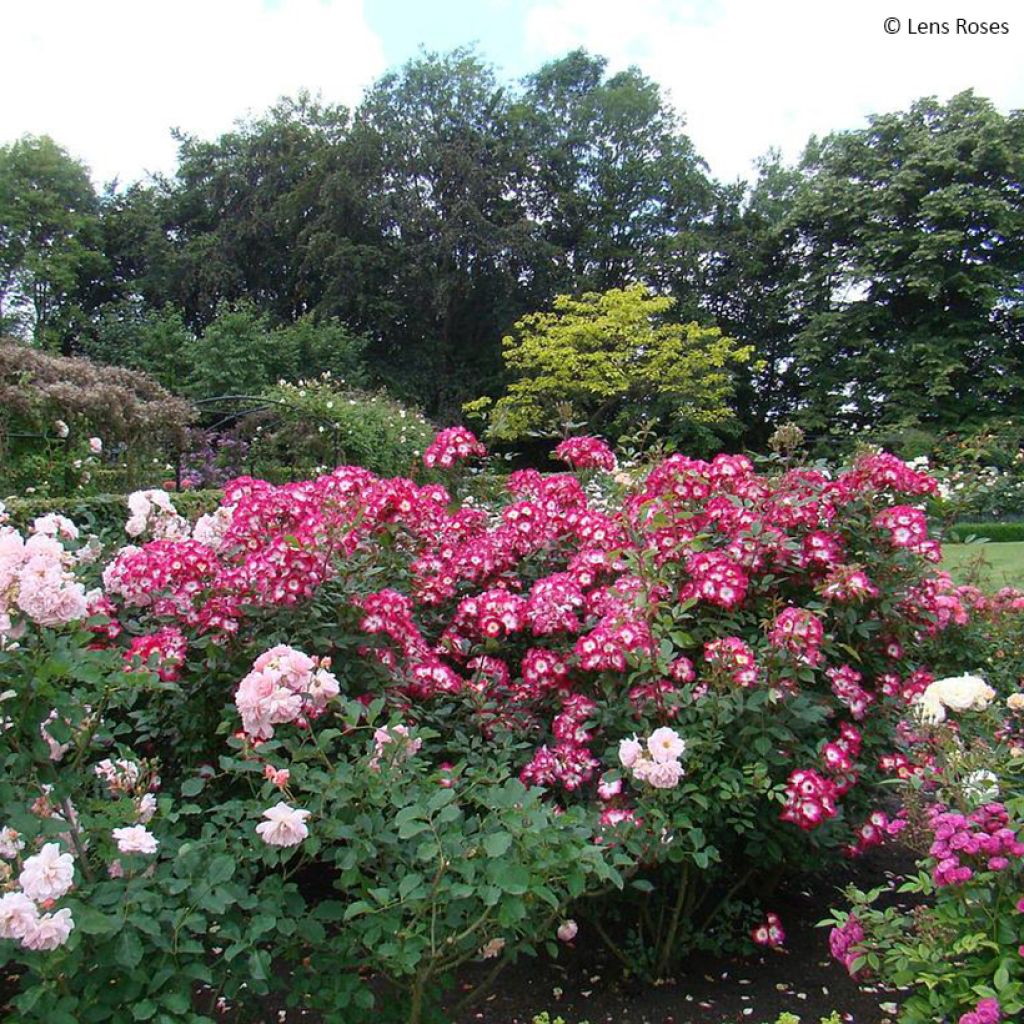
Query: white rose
(961, 693)
(285, 826)
(17, 914)
(135, 839)
(629, 751)
(929, 709)
(665, 744)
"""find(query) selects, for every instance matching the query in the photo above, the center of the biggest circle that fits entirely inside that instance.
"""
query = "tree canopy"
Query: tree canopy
(49, 241)
(879, 281)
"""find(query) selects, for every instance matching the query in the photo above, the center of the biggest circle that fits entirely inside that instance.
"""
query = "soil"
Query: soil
(586, 985)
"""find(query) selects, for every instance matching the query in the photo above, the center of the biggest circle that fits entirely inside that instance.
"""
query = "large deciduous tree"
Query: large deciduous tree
(747, 281)
(437, 233)
(611, 179)
(911, 233)
(239, 207)
(50, 242)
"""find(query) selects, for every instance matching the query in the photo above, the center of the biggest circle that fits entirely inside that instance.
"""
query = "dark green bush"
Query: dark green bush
(989, 531)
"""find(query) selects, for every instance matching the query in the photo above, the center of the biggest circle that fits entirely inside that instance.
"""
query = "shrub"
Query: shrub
(424, 733)
(959, 948)
(611, 359)
(995, 532)
(241, 353)
(114, 403)
(51, 407)
(331, 424)
(103, 514)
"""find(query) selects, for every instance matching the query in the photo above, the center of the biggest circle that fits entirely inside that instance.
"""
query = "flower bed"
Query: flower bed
(353, 720)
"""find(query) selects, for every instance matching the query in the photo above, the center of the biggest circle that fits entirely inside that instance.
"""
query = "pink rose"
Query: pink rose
(664, 774)
(629, 751)
(285, 826)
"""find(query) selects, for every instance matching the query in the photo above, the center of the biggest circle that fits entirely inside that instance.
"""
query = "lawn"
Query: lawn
(989, 565)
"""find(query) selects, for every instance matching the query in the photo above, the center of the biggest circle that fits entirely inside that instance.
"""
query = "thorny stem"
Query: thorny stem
(713, 913)
(416, 1001)
(483, 988)
(76, 840)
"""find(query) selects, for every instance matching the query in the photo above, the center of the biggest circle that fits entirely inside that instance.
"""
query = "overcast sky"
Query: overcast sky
(108, 79)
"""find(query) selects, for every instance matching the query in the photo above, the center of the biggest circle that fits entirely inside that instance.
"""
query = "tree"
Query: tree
(747, 280)
(431, 251)
(49, 242)
(613, 182)
(612, 359)
(239, 207)
(911, 233)
(241, 353)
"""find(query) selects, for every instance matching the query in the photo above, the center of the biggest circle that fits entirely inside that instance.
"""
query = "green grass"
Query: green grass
(989, 566)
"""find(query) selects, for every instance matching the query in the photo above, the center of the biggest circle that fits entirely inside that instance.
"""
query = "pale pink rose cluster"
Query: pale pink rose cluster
(121, 776)
(277, 776)
(393, 744)
(125, 778)
(36, 578)
(55, 525)
(46, 876)
(212, 528)
(655, 761)
(153, 512)
(11, 843)
(284, 686)
(285, 826)
(145, 808)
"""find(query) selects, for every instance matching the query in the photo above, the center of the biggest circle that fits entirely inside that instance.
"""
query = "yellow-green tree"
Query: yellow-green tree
(612, 359)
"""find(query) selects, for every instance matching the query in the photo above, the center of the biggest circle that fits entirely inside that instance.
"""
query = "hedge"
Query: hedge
(989, 531)
(103, 514)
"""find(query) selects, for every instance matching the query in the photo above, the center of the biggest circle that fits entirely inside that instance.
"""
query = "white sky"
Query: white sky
(751, 74)
(109, 78)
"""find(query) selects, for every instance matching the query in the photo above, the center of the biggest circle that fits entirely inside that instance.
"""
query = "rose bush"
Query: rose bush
(961, 948)
(400, 731)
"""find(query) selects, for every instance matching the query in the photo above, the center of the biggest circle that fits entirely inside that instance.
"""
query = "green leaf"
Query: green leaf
(411, 828)
(1001, 979)
(497, 843)
(222, 867)
(357, 908)
(193, 786)
(259, 964)
(90, 921)
(128, 949)
(408, 885)
(512, 878)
